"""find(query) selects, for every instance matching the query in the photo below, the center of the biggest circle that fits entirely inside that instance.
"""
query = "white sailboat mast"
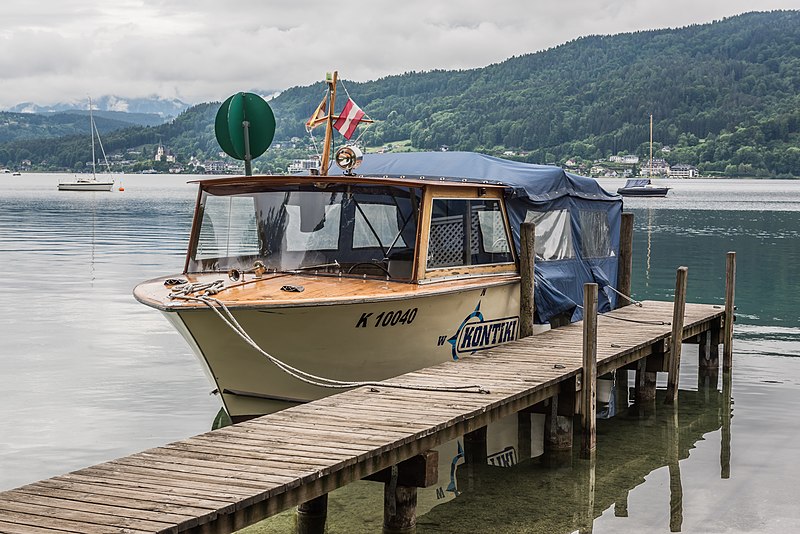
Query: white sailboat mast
(91, 126)
(651, 147)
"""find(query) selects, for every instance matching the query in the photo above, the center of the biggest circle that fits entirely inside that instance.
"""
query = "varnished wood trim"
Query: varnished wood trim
(194, 234)
(423, 229)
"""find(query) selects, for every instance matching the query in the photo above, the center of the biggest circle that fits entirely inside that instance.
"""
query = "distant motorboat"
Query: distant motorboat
(641, 187)
(91, 183)
(16, 173)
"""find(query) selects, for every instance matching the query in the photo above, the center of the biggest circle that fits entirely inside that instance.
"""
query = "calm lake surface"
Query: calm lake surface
(89, 374)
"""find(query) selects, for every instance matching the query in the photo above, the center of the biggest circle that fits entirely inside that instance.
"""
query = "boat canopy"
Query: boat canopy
(577, 221)
(638, 182)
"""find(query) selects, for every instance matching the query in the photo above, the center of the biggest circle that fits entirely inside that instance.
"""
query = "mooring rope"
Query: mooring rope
(626, 297)
(626, 319)
(211, 288)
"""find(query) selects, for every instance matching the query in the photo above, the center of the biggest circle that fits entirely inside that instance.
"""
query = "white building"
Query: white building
(303, 165)
(163, 154)
(659, 166)
(627, 159)
(681, 170)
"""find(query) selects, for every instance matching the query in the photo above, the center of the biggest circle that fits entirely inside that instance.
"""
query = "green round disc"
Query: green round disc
(229, 127)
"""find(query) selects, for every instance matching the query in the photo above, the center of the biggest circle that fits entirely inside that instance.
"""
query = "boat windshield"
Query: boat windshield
(365, 229)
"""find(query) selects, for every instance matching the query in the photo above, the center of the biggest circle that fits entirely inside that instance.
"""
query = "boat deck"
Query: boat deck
(223, 480)
(317, 290)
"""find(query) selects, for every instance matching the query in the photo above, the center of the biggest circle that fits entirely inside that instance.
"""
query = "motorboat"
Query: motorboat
(295, 287)
(91, 183)
(642, 187)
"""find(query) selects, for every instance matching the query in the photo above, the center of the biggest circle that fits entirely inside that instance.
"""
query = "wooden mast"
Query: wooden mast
(331, 79)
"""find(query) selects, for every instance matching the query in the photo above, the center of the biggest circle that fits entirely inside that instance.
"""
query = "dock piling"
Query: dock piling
(645, 386)
(589, 371)
(625, 264)
(399, 509)
(730, 286)
(678, 312)
(557, 435)
(527, 306)
(312, 515)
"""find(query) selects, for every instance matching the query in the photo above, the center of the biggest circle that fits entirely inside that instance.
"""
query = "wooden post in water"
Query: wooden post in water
(399, 509)
(645, 385)
(625, 260)
(676, 340)
(589, 371)
(730, 286)
(475, 453)
(527, 237)
(311, 515)
(400, 490)
(558, 432)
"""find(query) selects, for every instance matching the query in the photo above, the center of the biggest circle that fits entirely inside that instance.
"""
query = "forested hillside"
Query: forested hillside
(724, 96)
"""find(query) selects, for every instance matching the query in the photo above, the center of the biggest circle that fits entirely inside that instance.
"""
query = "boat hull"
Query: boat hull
(85, 186)
(360, 341)
(643, 191)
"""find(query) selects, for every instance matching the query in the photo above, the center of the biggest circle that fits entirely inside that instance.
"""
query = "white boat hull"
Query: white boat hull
(350, 342)
(85, 186)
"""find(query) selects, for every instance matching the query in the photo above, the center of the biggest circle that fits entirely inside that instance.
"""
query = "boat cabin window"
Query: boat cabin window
(467, 232)
(553, 234)
(595, 234)
(353, 229)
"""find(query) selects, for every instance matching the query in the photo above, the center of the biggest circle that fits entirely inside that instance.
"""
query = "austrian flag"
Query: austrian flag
(348, 119)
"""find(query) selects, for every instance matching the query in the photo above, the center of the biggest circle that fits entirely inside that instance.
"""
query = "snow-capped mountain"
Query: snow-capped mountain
(164, 107)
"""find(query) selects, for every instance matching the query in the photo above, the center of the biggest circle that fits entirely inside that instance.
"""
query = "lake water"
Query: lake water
(89, 374)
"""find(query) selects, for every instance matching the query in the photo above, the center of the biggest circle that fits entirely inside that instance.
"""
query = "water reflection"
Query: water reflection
(631, 446)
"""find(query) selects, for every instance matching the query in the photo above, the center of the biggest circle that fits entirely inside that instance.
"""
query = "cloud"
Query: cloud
(203, 50)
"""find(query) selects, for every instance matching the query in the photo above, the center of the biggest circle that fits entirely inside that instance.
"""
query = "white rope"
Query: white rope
(626, 297)
(227, 317)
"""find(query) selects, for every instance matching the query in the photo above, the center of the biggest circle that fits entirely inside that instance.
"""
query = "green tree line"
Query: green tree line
(724, 96)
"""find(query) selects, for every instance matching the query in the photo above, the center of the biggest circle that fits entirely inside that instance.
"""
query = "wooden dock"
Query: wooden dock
(227, 479)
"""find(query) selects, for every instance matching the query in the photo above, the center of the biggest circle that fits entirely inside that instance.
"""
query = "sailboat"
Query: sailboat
(91, 183)
(643, 187)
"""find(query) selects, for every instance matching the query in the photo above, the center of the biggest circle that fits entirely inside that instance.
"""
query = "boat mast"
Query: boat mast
(331, 79)
(650, 175)
(91, 128)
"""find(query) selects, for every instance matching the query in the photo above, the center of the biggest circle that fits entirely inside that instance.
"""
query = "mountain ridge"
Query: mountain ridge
(725, 97)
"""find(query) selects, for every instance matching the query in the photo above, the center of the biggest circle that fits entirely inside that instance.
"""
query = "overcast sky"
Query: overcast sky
(204, 50)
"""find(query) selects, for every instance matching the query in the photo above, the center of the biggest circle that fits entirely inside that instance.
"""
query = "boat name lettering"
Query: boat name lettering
(390, 318)
(487, 334)
(475, 333)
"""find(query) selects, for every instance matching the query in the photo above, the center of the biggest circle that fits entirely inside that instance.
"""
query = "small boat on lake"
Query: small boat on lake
(642, 187)
(91, 183)
(295, 287)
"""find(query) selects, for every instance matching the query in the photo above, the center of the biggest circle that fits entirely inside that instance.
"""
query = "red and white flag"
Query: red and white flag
(348, 119)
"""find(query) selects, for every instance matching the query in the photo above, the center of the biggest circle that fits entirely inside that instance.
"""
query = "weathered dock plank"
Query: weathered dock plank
(225, 479)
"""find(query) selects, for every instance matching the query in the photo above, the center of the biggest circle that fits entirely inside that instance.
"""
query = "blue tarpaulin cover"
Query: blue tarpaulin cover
(536, 191)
